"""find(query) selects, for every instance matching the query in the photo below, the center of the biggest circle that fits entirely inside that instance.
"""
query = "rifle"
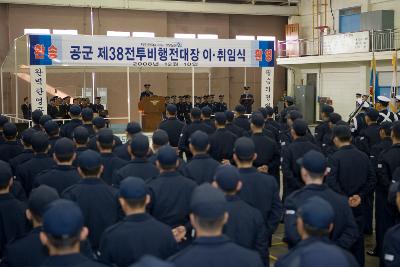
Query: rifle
(356, 111)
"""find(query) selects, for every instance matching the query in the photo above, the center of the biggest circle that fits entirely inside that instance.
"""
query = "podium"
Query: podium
(152, 109)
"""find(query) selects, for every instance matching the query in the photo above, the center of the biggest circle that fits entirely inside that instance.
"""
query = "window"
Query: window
(66, 32)
(245, 37)
(144, 34)
(267, 38)
(185, 35)
(116, 33)
(207, 36)
(36, 31)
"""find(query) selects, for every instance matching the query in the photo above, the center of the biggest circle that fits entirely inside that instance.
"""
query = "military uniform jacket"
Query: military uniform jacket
(59, 177)
(137, 167)
(67, 129)
(170, 198)
(317, 252)
(220, 107)
(358, 123)
(267, 153)
(111, 163)
(187, 131)
(216, 252)
(386, 115)
(247, 100)
(236, 130)
(18, 191)
(90, 129)
(242, 122)
(173, 127)
(388, 162)
(135, 236)
(221, 144)
(52, 142)
(97, 108)
(246, 227)
(201, 169)
(376, 151)
(99, 205)
(210, 123)
(261, 191)
(320, 131)
(93, 145)
(391, 247)
(10, 149)
(273, 126)
(70, 260)
(122, 152)
(27, 171)
(368, 137)
(24, 156)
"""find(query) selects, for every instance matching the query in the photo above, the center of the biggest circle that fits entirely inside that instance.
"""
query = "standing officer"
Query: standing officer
(172, 125)
(238, 131)
(201, 168)
(245, 224)
(205, 102)
(87, 118)
(68, 128)
(62, 175)
(247, 100)
(53, 132)
(384, 113)
(323, 127)
(259, 189)
(146, 92)
(139, 166)
(212, 103)
(211, 248)
(187, 107)
(97, 106)
(352, 175)
(138, 234)
(313, 169)
(121, 151)
(26, 109)
(64, 107)
(11, 147)
(220, 106)
(197, 103)
(63, 229)
(222, 140)
(315, 222)
(96, 199)
(25, 155)
(240, 119)
(180, 109)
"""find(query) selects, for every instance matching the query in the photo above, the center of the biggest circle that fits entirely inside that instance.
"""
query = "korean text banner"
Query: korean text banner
(85, 50)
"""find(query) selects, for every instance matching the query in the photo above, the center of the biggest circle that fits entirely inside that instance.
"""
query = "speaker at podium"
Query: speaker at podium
(152, 109)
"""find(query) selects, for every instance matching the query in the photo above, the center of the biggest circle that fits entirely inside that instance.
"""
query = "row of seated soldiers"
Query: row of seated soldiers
(240, 156)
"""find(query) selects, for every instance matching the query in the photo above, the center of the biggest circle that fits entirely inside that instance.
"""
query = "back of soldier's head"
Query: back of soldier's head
(396, 130)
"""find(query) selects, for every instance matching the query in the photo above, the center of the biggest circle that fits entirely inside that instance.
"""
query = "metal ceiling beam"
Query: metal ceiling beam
(170, 6)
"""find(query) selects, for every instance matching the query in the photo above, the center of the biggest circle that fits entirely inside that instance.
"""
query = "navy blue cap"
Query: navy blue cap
(36, 115)
(244, 148)
(317, 213)
(195, 112)
(51, 127)
(5, 172)
(87, 114)
(132, 188)
(300, 127)
(270, 110)
(133, 127)
(40, 198)
(81, 135)
(387, 126)
(105, 136)
(208, 202)
(199, 140)
(140, 145)
(40, 141)
(257, 119)
(99, 122)
(64, 146)
(206, 111)
(75, 110)
(229, 115)
(44, 119)
(3, 120)
(171, 108)
(10, 129)
(342, 131)
(372, 113)
(63, 219)
(335, 118)
(167, 156)
(263, 111)
(220, 118)
(151, 261)
(160, 137)
(295, 115)
(227, 177)
(327, 109)
(89, 160)
(27, 136)
(240, 109)
(289, 99)
(313, 162)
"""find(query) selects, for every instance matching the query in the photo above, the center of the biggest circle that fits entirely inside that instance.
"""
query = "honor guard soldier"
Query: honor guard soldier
(63, 230)
(313, 169)
(358, 123)
(36, 115)
(247, 100)
(220, 106)
(222, 140)
(238, 131)
(97, 200)
(68, 128)
(201, 168)
(66, 175)
(240, 119)
(132, 128)
(315, 223)
(139, 166)
(384, 113)
(187, 108)
(11, 147)
(87, 118)
(53, 132)
(25, 155)
(146, 92)
(206, 113)
(208, 216)
(245, 224)
(138, 234)
(323, 127)
(97, 106)
(172, 125)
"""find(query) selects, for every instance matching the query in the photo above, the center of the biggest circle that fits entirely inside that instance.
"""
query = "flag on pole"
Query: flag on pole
(393, 91)
(373, 80)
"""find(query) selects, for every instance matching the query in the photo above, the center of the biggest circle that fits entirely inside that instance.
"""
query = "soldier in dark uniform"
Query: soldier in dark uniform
(187, 108)
(43, 120)
(3, 120)
(146, 92)
(100, 123)
(384, 113)
(211, 248)
(173, 99)
(205, 102)
(358, 123)
(11, 147)
(352, 175)
(63, 230)
(369, 136)
(220, 106)
(222, 140)
(201, 168)
(238, 131)
(41, 161)
(197, 102)
(68, 128)
(323, 127)
(132, 128)
(138, 234)
(53, 132)
(139, 166)
(313, 169)
(12, 211)
(97, 106)
(240, 119)
(245, 224)
(52, 107)
(26, 109)
(315, 223)
(81, 139)
(87, 118)
(25, 155)
(172, 125)
(288, 106)
(206, 113)
(96, 199)
(247, 100)
(271, 124)
(36, 115)
(212, 103)
(64, 107)
(180, 109)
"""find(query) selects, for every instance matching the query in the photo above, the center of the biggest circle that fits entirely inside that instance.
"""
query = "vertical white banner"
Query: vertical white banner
(267, 86)
(38, 88)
